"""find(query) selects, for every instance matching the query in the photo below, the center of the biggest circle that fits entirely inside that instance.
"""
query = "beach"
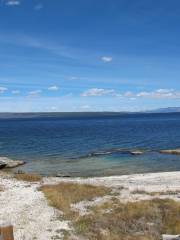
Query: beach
(26, 208)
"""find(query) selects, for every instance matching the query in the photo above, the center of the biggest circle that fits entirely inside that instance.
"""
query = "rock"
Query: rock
(171, 151)
(11, 163)
(136, 152)
(2, 165)
(170, 237)
(63, 175)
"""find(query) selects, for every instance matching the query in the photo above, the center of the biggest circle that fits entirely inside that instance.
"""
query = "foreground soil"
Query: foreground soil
(41, 208)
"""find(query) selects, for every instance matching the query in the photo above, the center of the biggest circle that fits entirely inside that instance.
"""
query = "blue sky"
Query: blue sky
(89, 55)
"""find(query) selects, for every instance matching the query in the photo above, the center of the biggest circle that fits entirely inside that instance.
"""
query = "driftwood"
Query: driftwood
(6, 232)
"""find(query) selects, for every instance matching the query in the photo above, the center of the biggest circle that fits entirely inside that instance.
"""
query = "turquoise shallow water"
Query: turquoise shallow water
(91, 145)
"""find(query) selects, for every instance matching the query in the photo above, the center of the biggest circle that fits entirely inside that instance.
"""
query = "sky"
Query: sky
(89, 55)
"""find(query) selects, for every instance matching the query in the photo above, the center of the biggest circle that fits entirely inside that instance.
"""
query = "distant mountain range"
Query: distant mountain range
(60, 115)
(84, 114)
(165, 110)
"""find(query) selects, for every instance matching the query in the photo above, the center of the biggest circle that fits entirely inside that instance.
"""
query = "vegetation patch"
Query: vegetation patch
(140, 191)
(114, 220)
(27, 177)
(63, 194)
(143, 220)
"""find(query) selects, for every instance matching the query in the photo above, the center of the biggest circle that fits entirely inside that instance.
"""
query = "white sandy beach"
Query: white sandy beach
(27, 209)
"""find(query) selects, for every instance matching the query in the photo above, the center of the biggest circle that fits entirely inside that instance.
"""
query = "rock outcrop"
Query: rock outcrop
(136, 152)
(9, 163)
(171, 151)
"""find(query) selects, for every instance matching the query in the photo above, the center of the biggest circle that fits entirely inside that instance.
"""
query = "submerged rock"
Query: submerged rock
(136, 152)
(63, 175)
(171, 151)
(9, 163)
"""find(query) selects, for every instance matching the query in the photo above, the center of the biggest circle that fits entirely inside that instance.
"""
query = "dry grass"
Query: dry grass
(63, 195)
(27, 177)
(140, 191)
(144, 220)
(114, 220)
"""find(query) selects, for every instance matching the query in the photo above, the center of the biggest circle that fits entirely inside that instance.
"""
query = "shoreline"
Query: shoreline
(93, 170)
(26, 166)
(23, 205)
(158, 181)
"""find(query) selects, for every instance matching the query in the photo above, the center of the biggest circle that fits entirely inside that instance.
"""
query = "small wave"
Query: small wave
(100, 153)
(108, 152)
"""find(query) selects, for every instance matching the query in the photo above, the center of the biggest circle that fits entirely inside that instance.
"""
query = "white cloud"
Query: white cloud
(160, 93)
(3, 89)
(53, 88)
(156, 94)
(128, 94)
(97, 92)
(34, 93)
(106, 59)
(12, 3)
(164, 90)
(143, 94)
(15, 91)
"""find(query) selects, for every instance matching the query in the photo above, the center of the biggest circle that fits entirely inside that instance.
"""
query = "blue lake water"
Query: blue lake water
(90, 146)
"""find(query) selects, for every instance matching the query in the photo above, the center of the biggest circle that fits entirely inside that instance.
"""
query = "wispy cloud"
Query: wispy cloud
(3, 89)
(53, 88)
(38, 7)
(53, 108)
(50, 46)
(128, 94)
(15, 92)
(156, 94)
(56, 48)
(13, 3)
(97, 92)
(34, 93)
(85, 107)
(106, 59)
(73, 78)
(160, 93)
